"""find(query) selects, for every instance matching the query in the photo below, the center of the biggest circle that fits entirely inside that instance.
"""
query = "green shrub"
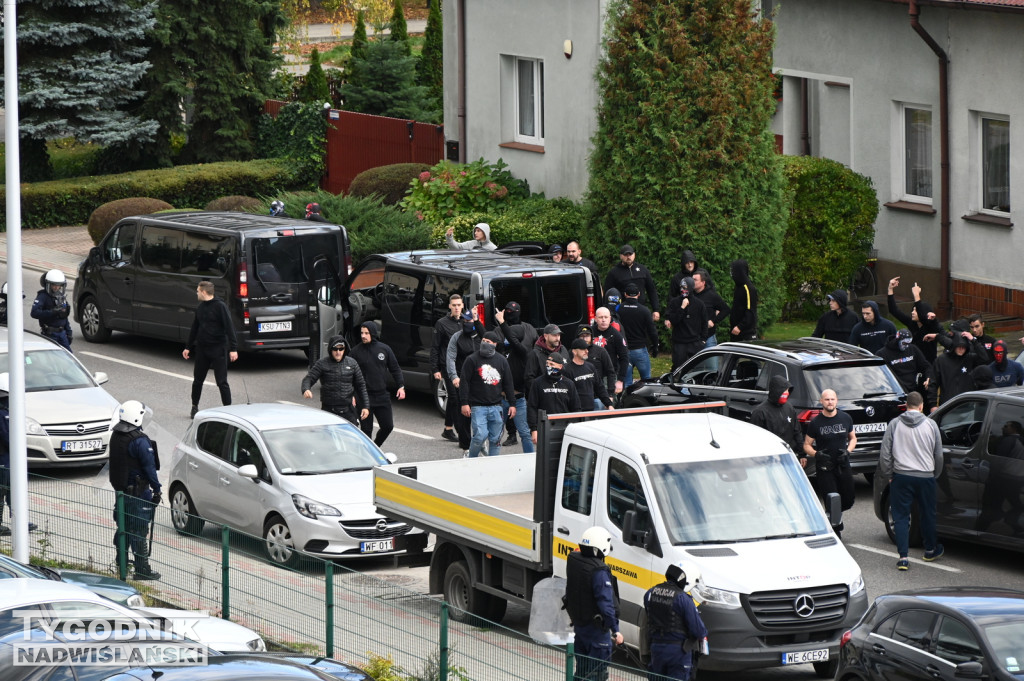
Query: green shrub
(107, 215)
(68, 158)
(451, 189)
(314, 86)
(390, 182)
(71, 202)
(831, 229)
(298, 136)
(236, 204)
(534, 219)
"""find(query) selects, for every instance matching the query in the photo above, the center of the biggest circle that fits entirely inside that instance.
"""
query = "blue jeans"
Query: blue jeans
(597, 405)
(642, 361)
(903, 491)
(486, 425)
(519, 421)
(711, 341)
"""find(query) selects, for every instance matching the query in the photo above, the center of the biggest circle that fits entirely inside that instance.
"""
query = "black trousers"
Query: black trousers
(684, 351)
(385, 423)
(451, 409)
(833, 474)
(345, 411)
(215, 357)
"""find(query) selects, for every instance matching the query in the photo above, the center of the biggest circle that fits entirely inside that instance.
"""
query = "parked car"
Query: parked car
(335, 669)
(108, 587)
(299, 477)
(67, 412)
(942, 633)
(980, 496)
(739, 373)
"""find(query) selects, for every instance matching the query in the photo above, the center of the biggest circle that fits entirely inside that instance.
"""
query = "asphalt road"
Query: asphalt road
(154, 372)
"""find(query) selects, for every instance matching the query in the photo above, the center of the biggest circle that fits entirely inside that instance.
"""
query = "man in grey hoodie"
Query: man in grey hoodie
(911, 458)
(481, 239)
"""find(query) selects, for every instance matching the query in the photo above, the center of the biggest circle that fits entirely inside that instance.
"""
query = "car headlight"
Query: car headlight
(719, 597)
(257, 645)
(311, 509)
(857, 585)
(32, 427)
(136, 601)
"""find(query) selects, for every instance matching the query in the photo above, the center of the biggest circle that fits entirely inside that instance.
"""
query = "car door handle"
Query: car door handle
(933, 671)
(751, 400)
(225, 481)
(127, 281)
(880, 649)
(193, 465)
(563, 530)
(967, 463)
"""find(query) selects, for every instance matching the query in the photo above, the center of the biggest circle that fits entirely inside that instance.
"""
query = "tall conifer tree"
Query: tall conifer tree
(430, 68)
(399, 28)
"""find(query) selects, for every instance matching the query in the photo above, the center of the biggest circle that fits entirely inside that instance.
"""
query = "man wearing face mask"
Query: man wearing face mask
(907, 362)
(461, 346)
(552, 392)
(519, 339)
(1005, 371)
(688, 319)
(484, 378)
(777, 416)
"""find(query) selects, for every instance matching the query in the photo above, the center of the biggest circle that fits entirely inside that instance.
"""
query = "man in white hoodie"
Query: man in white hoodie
(911, 458)
(481, 239)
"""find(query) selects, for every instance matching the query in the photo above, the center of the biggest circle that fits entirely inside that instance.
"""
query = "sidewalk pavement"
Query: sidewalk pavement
(316, 33)
(60, 248)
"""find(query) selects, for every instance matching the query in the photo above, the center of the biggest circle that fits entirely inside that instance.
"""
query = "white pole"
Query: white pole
(15, 307)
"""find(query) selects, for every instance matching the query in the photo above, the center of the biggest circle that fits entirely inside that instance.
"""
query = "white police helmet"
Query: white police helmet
(597, 538)
(54, 278)
(135, 413)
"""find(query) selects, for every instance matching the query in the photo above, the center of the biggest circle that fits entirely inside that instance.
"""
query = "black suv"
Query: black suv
(738, 374)
(979, 496)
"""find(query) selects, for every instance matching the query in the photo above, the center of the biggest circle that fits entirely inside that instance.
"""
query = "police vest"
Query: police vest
(123, 467)
(664, 621)
(579, 588)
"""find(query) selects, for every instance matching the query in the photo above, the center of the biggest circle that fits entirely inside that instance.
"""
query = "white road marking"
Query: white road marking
(183, 377)
(409, 432)
(895, 556)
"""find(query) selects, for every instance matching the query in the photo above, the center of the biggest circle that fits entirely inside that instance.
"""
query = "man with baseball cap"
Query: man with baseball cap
(556, 253)
(591, 389)
(553, 392)
(602, 360)
(629, 271)
(549, 342)
(341, 383)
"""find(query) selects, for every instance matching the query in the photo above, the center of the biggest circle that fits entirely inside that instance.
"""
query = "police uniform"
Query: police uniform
(52, 312)
(592, 606)
(672, 620)
(133, 471)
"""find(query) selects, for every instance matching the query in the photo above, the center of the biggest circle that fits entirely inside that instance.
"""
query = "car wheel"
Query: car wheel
(916, 541)
(183, 512)
(278, 542)
(469, 605)
(826, 670)
(440, 392)
(93, 328)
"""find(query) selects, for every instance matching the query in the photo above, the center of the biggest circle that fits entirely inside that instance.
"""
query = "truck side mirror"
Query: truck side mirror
(629, 529)
(834, 509)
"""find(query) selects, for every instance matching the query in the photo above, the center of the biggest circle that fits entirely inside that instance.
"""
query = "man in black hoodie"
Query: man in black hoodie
(629, 271)
(838, 322)
(553, 392)
(874, 330)
(687, 268)
(589, 386)
(907, 362)
(518, 341)
(485, 377)
(921, 322)
(376, 360)
(744, 302)
(777, 416)
(444, 329)
(549, 342)
(717, 308)
(953, 369)
(640, 332)
(341, 381)
(602, 361)
(688, 320)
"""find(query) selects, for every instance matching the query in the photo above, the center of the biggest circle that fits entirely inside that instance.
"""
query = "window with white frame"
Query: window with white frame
(529, 101)
(995, 165)
(917, 154)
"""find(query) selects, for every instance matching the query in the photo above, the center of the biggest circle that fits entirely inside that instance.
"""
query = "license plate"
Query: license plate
(270, 327)
(81, 445)
(379, 546)
(805, 656)
(870, 428)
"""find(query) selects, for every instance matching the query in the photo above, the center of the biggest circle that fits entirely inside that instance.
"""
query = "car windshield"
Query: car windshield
(852, 382)
(331, 448)
(1007, 641)
(736, 500)
(52, 370)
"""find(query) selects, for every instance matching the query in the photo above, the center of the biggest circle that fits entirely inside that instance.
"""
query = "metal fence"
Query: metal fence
(323, 608)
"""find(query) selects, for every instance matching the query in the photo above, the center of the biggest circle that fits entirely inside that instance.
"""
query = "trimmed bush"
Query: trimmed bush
(391, 182)
(107, 215)
(71, 202)
(534, 219)
(237, 204)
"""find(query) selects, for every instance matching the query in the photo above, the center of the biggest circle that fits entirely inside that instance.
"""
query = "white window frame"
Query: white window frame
(904, 151)
(980, 119)
(538, 101)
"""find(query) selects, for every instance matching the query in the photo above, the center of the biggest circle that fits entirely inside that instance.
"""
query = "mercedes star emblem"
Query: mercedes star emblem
(804, 606)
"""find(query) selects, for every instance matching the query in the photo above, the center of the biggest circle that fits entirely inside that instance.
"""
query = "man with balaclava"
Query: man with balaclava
(952, 369)
(837, 323)
(873, 331)
(907, 362)
(687, 317)
(462, 345)
(922, 321)
(377, 360)
(1005, 371)
(777, 416)
(518, 339)
(553, 393)
(486, 378)
(549, 342)
(481, 239)
(744, 303)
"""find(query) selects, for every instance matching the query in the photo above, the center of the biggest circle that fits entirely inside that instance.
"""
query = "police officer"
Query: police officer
(51, 308)
(592, 603)
(674, 627)
(133, 466)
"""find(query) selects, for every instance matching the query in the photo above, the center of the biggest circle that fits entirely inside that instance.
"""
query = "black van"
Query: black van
(142, 277)
(406, 293)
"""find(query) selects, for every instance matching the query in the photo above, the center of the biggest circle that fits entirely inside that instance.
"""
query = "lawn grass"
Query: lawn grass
(69, 158)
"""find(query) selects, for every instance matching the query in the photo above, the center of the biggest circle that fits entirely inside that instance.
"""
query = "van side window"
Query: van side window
(961, 425)
(161, 249)
(578, 479)
(121, 244)
(206, 255)
(1006, 434)
(444, 287)
(401, 299)
(210, 437)
(626, 493)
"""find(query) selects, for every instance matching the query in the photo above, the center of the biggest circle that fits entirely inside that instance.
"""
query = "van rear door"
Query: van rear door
(562, 296)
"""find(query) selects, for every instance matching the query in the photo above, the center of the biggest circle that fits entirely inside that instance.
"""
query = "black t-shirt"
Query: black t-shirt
(830, 434)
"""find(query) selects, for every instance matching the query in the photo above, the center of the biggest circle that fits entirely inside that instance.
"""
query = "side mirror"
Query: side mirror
(101, 377)
(390, 457)
(834, 509)
(969, 670)
(95, 255)
(249, 471)
(629, 528)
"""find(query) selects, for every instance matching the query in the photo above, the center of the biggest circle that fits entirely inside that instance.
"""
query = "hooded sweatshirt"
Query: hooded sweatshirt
(553, 394)
(744, 300)
(873, 336)
(1006, 373)
(376, 360)
(953, 371)
(982, 376)
(473, 244)
(687, 256)
(517, 342)
(912, 446)
(919, 329)
(906, 361)
(689, 324)
(536, 361)
(836, 326)
(484, 379)
(780, 419)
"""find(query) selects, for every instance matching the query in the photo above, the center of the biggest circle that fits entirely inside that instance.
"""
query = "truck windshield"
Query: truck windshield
(736, 500)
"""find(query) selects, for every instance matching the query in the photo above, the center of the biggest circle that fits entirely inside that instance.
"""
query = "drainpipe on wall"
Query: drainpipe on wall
(461, 19)
(945, 304)
(805, 122)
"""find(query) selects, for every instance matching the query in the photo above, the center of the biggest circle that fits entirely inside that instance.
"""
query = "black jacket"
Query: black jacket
(212, 327)
(906, 363)
(588, 384)
(444, 329)
(339, 381)
(612, 341)
(518, 343)
(605, 366)
(717, 309)
(637, 325)
(744, 300)
(918, 329)
(833, 326)
(780, 419)
(953, 372)
(687, 256)
(872, 337)
(376, 360)
(52, 313)
(689, 324)
(537, 360)
(483, 380)
(620, 275)
(554, 395)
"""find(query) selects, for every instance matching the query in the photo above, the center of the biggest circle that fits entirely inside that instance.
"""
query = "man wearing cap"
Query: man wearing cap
(606, 336)
(602, 361)
(688, 320)
(481, 239)
(640, 332)
(518, 340)
(556, 252)
(549, 342)
(838, 322)
(341, 383)
(629, 271)
(444, 329)
(553, 392)
(485, 377)
(582, 372)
